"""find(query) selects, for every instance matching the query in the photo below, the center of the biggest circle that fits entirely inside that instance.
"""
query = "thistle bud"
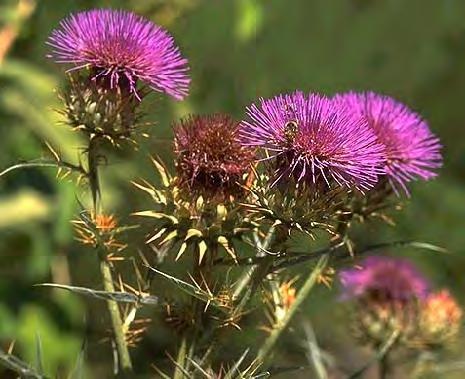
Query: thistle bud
(440, 318)
(387, 293)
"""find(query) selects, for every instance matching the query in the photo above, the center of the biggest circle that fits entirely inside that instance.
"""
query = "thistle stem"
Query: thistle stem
(384, 366)
(116, 320)
(105, 268)
(267, 347)
(244, 280)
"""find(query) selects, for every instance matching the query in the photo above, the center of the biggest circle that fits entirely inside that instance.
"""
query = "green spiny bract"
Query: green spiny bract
(99, 110)
(195, 224)
(300, 209)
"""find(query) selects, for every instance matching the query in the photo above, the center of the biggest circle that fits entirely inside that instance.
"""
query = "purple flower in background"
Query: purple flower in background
(412, 151)
(313, 140)
(384, 279)
(122, 47)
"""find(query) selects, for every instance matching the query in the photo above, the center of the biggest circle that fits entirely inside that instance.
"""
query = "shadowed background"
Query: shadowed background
(238, 51)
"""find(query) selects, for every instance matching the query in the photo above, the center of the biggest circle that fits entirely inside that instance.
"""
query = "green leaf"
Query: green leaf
(121, 297)
(188, 288)
(21, 368)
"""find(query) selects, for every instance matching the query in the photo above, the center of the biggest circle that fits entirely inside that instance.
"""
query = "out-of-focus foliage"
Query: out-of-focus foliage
(238, 50)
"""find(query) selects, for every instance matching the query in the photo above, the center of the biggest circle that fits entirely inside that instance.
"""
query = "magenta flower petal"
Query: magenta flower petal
(412, 151)
(122, 46)
(385, 278)
(312, 139)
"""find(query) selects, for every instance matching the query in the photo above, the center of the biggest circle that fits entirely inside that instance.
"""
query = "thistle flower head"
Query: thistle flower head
(384, 279)
(209, 158)
(412, 151)
(121, 48)
(440, 317)
(310, 139)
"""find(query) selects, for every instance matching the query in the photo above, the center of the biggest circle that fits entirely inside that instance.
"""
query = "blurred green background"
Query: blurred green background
(238, 51)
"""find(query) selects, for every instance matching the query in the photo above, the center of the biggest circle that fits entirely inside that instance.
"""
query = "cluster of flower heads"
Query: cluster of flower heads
(393, 294)
(352, 139)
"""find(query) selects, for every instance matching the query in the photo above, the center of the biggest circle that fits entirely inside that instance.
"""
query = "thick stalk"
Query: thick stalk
(105, 268)
(267, 347)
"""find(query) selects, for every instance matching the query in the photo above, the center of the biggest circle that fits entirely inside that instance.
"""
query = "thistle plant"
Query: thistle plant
(392, 301)
(297, 165)
(113, 51)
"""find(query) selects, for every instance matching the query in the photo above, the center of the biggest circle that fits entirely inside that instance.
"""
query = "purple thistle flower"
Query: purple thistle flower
(412, 151)
(123, 47)
(314, 140)
(209, 157)
(384, 279)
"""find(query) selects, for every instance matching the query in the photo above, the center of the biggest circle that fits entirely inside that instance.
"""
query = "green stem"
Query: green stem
(181, 360)
(116, 320)
(379, 356)
(267, 347)
(105, 268)
(384, 366)
(248, 274)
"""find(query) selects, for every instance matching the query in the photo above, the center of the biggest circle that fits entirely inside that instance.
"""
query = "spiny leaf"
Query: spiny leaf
(122, 297)
(15, 364)
(41, 163)
(188, 288)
